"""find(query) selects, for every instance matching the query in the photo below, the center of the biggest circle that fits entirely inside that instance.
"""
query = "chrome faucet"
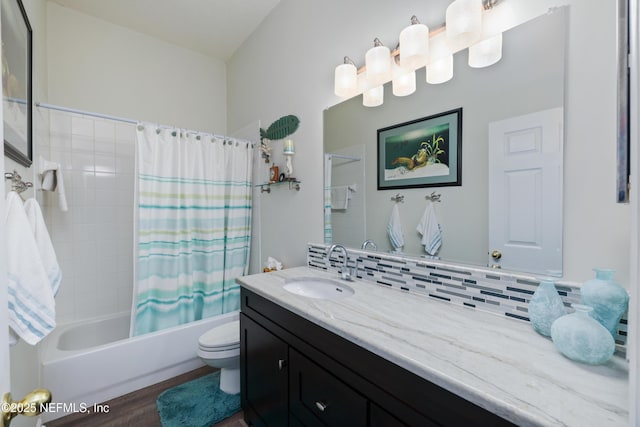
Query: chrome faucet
(371, 243)
(343, 270)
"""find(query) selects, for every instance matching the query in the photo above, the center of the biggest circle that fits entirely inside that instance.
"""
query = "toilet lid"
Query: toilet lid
(222, 337)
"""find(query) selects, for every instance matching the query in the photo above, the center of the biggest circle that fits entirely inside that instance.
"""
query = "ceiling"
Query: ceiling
(216, 28)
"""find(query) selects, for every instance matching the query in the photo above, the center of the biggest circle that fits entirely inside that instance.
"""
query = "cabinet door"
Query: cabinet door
(317, 398)
(264, 374)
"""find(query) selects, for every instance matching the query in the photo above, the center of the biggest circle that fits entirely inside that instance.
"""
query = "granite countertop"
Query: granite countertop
(499, 364)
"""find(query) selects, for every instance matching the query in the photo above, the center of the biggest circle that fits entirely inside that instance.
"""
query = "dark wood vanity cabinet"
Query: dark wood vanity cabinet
(296, 373)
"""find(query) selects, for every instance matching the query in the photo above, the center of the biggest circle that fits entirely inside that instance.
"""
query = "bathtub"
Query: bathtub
(93, 361)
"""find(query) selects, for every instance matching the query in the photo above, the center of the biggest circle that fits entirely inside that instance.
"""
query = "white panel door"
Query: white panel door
(525, 192)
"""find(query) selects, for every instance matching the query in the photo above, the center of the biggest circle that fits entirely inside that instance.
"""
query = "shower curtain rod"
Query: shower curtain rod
(342, 156)
(121, 119)
(84, 113)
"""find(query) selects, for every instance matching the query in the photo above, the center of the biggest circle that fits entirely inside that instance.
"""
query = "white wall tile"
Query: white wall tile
(59, 123)
(82, 143)
(83, 161)
(60, 141)
(125, 132)
(82, 126)
(93, 239)
(104, 130)
(105, 162)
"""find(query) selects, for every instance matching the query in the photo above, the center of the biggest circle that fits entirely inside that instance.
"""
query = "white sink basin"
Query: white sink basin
(314, 287)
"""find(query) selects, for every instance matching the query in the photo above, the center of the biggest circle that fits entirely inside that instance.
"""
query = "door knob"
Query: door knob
(32, 405)
(496, 254)
(282, 363)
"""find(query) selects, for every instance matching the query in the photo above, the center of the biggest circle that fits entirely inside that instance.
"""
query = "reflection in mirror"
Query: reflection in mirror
(528, 79)
(346, 166)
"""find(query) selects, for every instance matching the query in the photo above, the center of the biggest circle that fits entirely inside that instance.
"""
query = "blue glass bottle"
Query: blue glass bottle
(608, 299)
(545, 307)
(582, 338)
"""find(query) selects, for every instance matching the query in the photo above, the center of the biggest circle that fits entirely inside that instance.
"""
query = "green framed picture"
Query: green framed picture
(425, 152)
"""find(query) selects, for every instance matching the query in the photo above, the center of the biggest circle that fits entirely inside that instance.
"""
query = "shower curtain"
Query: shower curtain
(193, 226)
(327, 199)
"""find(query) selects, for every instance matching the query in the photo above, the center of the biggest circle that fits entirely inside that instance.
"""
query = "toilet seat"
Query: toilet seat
(221, 338)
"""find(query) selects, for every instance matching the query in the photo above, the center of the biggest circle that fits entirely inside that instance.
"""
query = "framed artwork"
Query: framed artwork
(426, 152)
(17, 82)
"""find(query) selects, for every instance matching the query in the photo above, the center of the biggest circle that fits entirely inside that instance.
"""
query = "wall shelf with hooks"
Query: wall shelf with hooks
(294, 184)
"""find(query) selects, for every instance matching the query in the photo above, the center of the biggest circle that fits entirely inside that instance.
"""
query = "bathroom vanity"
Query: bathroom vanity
(381, 357)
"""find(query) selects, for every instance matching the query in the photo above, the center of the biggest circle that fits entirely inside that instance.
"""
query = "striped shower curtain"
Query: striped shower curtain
(193, 226)
(327, 199)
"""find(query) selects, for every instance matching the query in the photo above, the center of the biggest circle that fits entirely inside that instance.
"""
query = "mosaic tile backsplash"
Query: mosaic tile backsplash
(501, 293)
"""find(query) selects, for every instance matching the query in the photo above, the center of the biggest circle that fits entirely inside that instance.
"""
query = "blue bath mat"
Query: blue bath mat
(197, 403)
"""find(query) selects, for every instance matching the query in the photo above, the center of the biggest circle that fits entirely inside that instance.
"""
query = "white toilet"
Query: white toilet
(220, 348)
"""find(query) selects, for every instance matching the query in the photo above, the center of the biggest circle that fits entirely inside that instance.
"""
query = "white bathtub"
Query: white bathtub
(94, 361)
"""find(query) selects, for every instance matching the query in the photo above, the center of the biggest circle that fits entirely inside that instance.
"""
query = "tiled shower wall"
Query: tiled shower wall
(93, 239)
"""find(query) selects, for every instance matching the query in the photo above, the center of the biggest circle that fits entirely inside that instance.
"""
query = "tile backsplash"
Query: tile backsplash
(502, 293)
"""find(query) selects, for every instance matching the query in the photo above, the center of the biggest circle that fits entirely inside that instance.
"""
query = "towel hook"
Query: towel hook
(17, 184)
(398, 198)
(433, 197)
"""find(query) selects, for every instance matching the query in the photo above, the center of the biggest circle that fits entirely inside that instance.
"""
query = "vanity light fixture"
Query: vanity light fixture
(414, 45)
(463, 23)
(440, 65)
(346, 79)
(466, 26)
(373, 97)
(378, 63)
(486, 52)
(403, 82)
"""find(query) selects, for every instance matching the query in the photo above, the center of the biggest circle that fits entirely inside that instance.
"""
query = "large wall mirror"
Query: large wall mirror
(529, 78)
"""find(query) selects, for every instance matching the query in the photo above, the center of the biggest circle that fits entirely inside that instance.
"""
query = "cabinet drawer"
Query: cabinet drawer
(317, 398)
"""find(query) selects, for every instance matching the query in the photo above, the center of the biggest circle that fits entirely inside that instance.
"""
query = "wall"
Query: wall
(297, 77)
(100, 67)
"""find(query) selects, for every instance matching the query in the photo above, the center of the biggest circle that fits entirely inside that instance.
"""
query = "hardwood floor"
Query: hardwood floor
(139, 408)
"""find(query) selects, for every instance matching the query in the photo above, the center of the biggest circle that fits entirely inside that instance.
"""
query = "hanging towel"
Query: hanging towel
(430, 230)
(394, 229)
(51, 179)
(31, 304)
(43, 241)
(340, 196)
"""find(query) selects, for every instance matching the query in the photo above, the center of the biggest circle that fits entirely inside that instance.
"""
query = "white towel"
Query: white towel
(340, 196)
(43, 241)
(31, 304)
(394, 229)
(430, 230)
(51, 179)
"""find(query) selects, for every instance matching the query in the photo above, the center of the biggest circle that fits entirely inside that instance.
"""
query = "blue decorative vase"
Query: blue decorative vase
(608, 299)
(582, 338)
(545, 307)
